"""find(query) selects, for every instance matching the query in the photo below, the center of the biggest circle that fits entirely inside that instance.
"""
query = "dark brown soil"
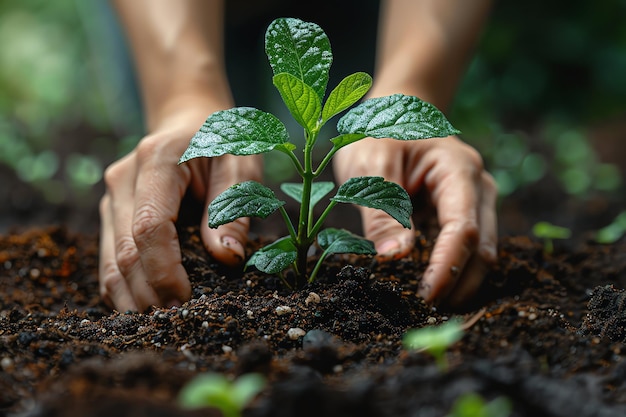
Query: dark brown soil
(548, 334)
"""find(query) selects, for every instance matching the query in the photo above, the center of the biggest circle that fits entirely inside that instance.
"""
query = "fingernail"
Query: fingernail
(233, 245)
(388, 247)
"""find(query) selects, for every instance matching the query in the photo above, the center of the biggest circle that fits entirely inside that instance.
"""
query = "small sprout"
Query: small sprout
(614, 231)
(548, 232)
(435, 340)
(473, 405)
(215, 390)
(300, 56)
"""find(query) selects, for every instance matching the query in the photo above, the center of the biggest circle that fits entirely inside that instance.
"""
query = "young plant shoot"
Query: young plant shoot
(215, 390)
(435, 340)
(300, 56)
(548, 232)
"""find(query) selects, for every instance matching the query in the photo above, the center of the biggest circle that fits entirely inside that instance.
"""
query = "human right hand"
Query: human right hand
(140, 258)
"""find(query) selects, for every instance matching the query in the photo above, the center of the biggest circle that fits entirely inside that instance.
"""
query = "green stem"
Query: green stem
(292, 231)
(320, 222)
(317, 266)
(295, 160)
(303, 240)
(326, 161)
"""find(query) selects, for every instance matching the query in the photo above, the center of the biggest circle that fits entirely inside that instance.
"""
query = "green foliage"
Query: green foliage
(215, 390)
(300, 56)
(435, 340)
(612, 232)
(548, 232)
(473, 405)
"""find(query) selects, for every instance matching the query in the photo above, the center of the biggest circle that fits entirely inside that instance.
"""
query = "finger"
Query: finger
(391, 239)
(456, 198)
(113, 288)
(160, 186)
(480, 262)
(120, 181)
(227, 243)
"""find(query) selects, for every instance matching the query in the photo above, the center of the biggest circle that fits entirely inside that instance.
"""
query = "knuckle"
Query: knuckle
(146, 222)
(113, 173)
(148, 147)
(126, 255)
(471, 233)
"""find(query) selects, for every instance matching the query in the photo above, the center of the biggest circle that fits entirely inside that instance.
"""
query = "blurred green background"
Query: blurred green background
(544, 100)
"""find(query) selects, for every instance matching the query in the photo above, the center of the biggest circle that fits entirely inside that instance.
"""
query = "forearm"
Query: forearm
(424, 46)
(178, 51)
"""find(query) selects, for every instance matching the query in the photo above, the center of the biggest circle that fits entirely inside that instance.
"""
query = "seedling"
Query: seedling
(215, 390)
(548, 232)
(614, 231)
(473, 405)
(435, 340)
(300, 56)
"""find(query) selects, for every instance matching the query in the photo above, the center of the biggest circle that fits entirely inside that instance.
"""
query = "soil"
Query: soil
(546, 332)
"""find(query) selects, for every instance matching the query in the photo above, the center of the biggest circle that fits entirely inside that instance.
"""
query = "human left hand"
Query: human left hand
(462, 192)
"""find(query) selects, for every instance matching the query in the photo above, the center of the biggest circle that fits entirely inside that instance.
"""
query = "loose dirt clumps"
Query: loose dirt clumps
(546, 331)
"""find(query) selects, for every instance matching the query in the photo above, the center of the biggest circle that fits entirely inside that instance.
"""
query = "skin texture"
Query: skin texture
(177, 46)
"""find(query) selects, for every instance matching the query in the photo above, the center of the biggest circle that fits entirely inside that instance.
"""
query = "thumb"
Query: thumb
(391, 239)
(227, 243)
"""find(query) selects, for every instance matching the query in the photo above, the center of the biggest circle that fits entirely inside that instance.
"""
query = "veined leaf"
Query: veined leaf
(237, 131)
(274, 257)
(375, 192)
(333, 240)
(301, 49)
(398, 117)
(346, 139)
(350, 90)
(300, 99)
(318, 191)
(246, 199)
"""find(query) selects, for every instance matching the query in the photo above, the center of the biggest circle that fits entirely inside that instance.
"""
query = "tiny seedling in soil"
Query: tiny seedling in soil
(300, 56)
(435, 340)
(215, 390)
(473, 405)
(548, 232)
(612, 232)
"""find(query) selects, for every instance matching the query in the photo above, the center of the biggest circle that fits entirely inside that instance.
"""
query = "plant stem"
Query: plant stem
(317, 267)
(303, 240)
(292, 231)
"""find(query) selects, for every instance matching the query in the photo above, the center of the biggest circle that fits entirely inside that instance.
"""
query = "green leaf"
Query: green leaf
(237, 131)
(274, 257)
(546, 230)
(350, 90)
(301, 49)
(300, 99)
(375, 192)
(346, 139)
(318, 191)
(434, 338)
(333, 240)
(246, 387)
(246, 199)
(398, 117)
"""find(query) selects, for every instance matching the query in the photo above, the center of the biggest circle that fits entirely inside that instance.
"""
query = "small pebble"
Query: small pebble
(84, 321)
(312, 298)
(205, 324)
(6, 363)
(280, 310)
(431, 320)
(532, 316)
(226, 349)
(295, 333)
(35, 273)
(184, 313)
(250, 314)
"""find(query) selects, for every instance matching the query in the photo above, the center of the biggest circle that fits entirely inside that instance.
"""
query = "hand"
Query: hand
(462, 192)
(140, 258)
